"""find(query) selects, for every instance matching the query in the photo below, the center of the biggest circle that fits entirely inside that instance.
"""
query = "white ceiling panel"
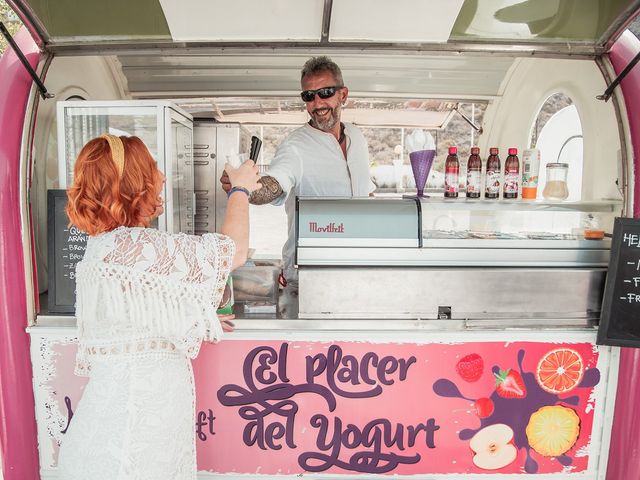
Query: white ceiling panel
(365, 117)
(278, 73)
(260, 20)
(401, 21)
(397, 118)
(431, 114)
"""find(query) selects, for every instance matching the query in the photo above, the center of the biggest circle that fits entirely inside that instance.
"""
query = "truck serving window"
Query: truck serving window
(385, 123)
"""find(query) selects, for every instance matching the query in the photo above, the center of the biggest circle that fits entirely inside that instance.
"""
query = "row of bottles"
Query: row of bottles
(474, 174)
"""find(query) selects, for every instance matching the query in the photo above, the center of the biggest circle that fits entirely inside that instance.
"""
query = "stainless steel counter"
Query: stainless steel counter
(287, 318)
(466, 253)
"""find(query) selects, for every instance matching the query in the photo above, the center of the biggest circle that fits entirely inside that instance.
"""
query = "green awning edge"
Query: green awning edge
(99, 19)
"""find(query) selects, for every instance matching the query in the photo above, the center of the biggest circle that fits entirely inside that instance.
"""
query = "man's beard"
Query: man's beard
(331, 121)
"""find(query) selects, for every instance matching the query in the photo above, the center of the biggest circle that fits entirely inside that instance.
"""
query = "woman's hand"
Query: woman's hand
(245, 176)
(225, 321)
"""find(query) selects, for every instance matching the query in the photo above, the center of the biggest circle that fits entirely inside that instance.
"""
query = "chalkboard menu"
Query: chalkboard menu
(66, 247)
(620, 317)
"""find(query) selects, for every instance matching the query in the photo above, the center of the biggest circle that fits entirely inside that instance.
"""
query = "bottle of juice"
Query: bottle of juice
(492, 178)
(530, 168)
(451, 173)
(511, 174)
(474, 173)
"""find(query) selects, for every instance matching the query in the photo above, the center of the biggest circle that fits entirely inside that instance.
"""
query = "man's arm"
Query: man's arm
(270, 190)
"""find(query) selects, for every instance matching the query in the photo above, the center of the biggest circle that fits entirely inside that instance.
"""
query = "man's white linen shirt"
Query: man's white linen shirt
(310, 163)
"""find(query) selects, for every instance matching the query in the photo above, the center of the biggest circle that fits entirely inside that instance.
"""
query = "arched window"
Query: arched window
(557, 133)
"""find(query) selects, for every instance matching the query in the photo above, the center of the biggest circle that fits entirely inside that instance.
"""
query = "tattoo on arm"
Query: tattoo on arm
(269, 191)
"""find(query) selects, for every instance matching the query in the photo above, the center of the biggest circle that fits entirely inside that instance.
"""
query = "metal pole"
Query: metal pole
(616, 81)
(25, 63)
(466, 119)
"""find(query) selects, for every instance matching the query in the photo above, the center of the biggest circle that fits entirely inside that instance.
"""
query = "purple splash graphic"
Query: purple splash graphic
(421, 162)
(516, 412)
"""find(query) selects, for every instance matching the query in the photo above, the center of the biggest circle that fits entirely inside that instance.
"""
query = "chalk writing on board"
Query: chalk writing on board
(620, 317)
(66, 247)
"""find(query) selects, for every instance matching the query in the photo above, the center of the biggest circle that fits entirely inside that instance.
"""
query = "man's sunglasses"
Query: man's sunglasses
(324, 93)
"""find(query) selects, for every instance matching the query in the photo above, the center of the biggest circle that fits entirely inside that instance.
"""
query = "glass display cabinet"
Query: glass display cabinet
(166, 130)
(465, 232)
(472, 259)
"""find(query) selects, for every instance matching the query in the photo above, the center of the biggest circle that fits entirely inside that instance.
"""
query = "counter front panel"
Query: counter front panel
(285, 403)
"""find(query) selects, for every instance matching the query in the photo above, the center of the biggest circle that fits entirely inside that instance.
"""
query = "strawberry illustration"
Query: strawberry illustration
(470, 367)
(484, 407)
(509, 384)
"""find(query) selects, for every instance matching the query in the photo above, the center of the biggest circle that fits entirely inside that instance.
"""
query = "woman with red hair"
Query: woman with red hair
(145, 301)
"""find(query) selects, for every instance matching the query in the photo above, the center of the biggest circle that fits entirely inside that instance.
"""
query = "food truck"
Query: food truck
(429, 337)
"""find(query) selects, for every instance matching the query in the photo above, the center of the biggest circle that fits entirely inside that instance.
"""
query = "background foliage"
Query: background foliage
(10, 20)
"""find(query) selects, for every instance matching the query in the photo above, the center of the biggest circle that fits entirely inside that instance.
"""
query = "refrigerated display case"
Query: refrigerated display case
(473, 259)
(166, 130)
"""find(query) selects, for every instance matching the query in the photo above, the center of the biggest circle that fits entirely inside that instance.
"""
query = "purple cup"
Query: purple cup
(421, 162)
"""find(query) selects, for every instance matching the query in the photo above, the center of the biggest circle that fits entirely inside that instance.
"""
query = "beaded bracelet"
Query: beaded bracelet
(239, 189)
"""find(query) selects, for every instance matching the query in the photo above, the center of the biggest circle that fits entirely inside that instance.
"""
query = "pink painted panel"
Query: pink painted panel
(348, 408)
(334, 421)
(17, 426)
(624, 453)
(621, 54)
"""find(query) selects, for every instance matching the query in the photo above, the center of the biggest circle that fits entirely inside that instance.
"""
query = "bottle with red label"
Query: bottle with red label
(474, 173)
(492, 177)
(511, 174)
(451, 173)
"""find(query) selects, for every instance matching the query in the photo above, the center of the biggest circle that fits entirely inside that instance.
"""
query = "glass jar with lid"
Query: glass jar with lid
(556, 186)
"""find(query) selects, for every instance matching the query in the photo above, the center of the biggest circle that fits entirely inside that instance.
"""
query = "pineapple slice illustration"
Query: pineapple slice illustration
(553, 430)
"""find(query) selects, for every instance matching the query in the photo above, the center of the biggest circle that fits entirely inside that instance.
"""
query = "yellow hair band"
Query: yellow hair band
(117, 151)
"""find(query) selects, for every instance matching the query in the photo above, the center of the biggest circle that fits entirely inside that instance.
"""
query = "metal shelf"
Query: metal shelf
(591, 206)
(494, 255)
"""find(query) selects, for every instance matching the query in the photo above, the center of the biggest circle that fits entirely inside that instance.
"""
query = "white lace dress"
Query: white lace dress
(145, 301)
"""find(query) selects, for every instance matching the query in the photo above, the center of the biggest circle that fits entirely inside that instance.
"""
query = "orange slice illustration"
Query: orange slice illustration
(560, 371)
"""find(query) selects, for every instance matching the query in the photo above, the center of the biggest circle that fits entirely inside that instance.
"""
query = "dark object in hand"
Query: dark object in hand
(256, 143)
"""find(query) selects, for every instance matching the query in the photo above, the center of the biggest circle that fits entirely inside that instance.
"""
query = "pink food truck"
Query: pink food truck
(474, 335)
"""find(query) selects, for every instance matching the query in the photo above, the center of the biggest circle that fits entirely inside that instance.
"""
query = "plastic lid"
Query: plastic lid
(453, 150)
(557, 165)
(475, 150)
(493, 151)
(513, 151)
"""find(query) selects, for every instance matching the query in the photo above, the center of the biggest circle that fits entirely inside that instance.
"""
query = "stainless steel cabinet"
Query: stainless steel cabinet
(214, 143)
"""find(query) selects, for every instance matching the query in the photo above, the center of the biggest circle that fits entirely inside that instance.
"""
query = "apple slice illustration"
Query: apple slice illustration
(492, 447)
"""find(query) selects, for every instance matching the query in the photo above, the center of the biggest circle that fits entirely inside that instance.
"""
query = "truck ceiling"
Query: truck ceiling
(450, 50)
(570, 27)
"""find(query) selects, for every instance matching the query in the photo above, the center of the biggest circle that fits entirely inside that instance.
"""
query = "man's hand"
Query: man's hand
(226, 183)
(269, 189)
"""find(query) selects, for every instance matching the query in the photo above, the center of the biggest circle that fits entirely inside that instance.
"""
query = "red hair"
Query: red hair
(100, 200)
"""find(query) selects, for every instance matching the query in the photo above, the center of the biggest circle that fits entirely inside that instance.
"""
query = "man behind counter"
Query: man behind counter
(323, 158)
